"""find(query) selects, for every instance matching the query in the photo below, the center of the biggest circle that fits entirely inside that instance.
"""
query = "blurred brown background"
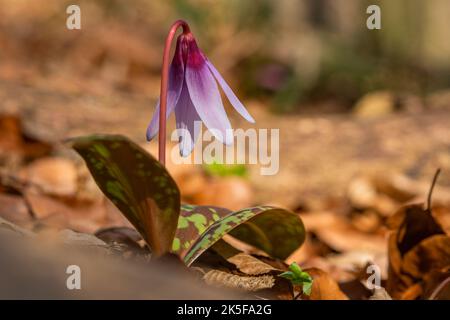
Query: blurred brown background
(285, 52)
(347, 100)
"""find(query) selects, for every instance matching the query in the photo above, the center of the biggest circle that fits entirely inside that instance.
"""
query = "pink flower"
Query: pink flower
(194, 95)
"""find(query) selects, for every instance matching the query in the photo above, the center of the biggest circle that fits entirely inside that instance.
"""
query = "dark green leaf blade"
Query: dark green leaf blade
(276, 231)
(136, 183)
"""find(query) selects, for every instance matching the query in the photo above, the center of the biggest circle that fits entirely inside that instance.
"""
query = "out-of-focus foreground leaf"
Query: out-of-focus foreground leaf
(136, 183)
(276, 231)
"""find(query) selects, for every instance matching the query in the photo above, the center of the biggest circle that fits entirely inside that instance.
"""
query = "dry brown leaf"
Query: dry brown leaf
(355, 289)
(265, 286)
(418, 247)
(442, 216)
(431, 253)
(224, 279)
(250, 265)
(413, 224)
(324, 287)
(438, 285)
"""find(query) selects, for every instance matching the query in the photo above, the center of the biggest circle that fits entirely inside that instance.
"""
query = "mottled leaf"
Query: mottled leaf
(136, 183)
(276, 231)
(192, 222)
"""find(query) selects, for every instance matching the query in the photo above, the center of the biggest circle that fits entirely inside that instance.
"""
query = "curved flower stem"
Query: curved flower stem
(164, 88)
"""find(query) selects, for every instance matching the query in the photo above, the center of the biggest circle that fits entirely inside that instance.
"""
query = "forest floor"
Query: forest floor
(345, 174)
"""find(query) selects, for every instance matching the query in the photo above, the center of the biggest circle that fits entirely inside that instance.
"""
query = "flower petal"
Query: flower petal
(235, 102)
(205, 95)
(187, 119)
(176, 80)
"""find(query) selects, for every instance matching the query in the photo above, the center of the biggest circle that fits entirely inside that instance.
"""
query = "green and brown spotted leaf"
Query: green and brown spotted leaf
(276, 231)
(136, 183)
(192, 222)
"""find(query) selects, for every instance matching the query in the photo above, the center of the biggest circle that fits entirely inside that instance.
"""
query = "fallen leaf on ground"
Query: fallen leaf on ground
(431, 253)
(251, 265)
(438, 285)
(324, 287)
(224, 279)
(418, 246)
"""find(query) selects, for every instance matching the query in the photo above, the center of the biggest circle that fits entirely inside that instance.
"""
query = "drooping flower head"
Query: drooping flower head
(194, 95)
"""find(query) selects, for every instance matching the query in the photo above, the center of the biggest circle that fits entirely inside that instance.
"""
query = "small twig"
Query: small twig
(430, 193)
